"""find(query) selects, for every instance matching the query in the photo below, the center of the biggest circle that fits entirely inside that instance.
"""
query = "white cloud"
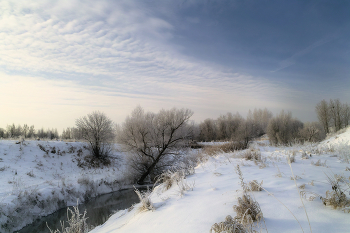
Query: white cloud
(115, 55)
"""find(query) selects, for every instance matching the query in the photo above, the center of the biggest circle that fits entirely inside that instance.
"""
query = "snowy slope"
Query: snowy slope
(39, 177)
(215, 188)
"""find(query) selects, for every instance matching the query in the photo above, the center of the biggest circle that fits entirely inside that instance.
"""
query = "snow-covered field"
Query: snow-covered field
(208, 196)
(39, 177)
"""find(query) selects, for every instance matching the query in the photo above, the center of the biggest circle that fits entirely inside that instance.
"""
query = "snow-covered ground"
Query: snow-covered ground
(208, 196)
(39, 177)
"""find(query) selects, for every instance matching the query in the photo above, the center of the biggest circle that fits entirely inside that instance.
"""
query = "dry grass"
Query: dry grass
(304, 156)
(252, 154)
(228, 226)
(213, 150)
(248, 210)
(291, 159)
(145, 200)
(319, 163)
(168, 178)
(336, 198)
(255, 186)
(77, 222)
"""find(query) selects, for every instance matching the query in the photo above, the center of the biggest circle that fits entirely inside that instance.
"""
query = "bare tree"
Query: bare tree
(152, 139)
(98, 130)
(323, 114)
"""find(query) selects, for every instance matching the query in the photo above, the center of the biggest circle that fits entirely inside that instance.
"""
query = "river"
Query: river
(99, 209)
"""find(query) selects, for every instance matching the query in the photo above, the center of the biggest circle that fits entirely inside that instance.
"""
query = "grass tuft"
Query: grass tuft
(145, 200)
(77, 222)
(228, 226)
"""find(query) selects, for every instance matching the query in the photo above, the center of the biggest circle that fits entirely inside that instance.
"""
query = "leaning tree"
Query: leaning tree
(152, 139)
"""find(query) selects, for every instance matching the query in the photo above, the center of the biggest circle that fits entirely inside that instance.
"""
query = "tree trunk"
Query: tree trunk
(149, 170)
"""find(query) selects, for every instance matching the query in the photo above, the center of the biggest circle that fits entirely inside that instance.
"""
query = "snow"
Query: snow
(35, 182)
(215, 188)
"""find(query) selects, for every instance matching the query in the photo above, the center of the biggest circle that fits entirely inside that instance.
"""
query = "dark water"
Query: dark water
(98, 209)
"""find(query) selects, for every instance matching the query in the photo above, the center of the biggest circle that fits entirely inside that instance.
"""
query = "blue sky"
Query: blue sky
(60, 60)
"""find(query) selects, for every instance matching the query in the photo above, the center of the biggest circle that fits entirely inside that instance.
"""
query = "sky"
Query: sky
(63, 59)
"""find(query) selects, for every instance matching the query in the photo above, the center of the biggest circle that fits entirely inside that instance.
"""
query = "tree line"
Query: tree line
(26, 131)
(152, 141)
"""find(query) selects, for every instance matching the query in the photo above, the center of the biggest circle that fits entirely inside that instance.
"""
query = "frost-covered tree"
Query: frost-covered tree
(261, 118)
(323, 115)
(336, 112)
(99, 131)
(283, 129)
(208, 130)
(152, 139)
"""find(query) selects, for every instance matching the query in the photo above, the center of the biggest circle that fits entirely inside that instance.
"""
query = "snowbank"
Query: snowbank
(215, 187)
(39, 177)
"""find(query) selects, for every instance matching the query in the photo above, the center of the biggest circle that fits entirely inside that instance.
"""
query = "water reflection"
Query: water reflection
(98, 209)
